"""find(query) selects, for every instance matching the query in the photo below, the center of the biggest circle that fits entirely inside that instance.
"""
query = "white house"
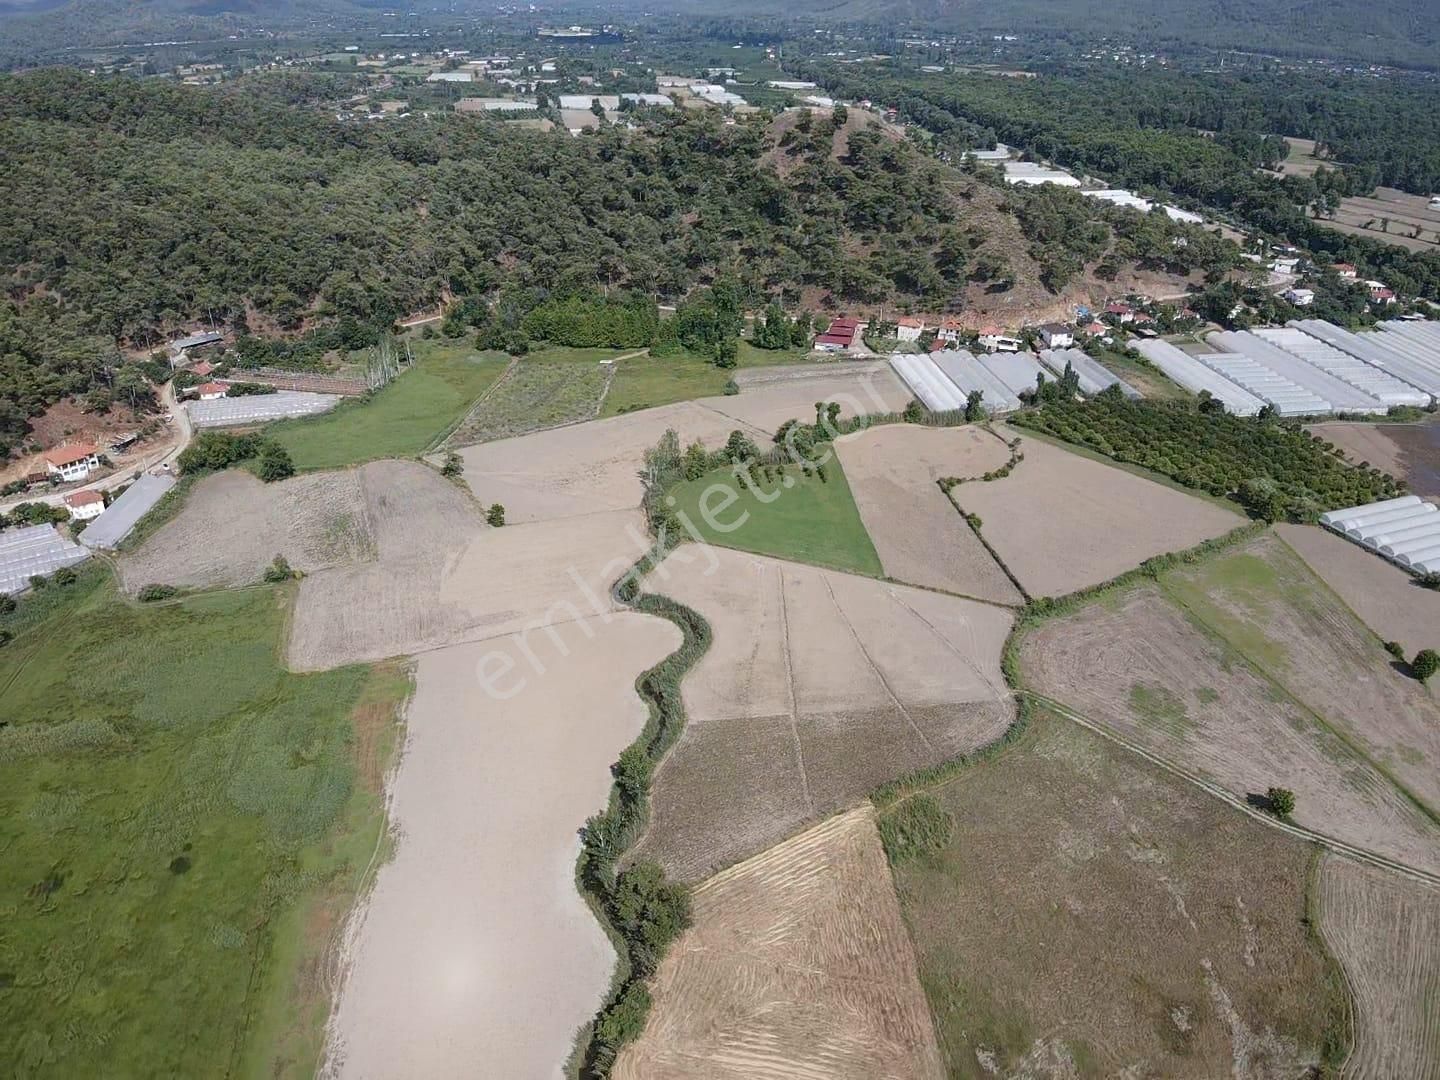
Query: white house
(211, 390)
(950, 331)
(85, 505)
(1057, 336)
(1300, 297)
(909, 328)
(74, 462)
(994, 340)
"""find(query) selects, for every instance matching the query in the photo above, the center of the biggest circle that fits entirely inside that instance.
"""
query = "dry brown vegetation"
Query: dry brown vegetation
(233, 526)
(920, 538)
(1094, 916)
(1388, 599)
(1391, 216)
(1385, 931)
(798, 965)
(817, 687)
(1063, 522)
(1150, 671)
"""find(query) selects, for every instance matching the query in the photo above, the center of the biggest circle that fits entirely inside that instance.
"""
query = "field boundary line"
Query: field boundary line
(1317, 889)
(1299, 831)
(790, 684)
(441, 441)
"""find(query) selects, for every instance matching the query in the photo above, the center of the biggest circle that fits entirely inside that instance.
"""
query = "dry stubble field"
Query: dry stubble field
(920, 537)
(1146, 669)
(817, 687)
(1092, 915)
(1385, 931)
(232, 526)
(797, 965)
(1062, 522)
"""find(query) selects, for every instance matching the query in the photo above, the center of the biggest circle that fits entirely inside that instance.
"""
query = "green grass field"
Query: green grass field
(808, 520)
(401, 420)
(182, 824)
(642, 382)
(545, 389)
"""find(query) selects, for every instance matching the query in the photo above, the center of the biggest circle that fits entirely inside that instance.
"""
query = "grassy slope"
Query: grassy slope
(812, 521)
(401, 420)
(175, 808)
(642, 382)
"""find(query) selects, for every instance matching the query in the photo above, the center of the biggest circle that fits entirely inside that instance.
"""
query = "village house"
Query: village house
(993, 339)
(1121, 313)
(1345, 270)
(909, 328)
(85, 505)
(839, 337)
(1057, 336)
(950, 331)
(73, 462)
(210, 391)
(1300, 297)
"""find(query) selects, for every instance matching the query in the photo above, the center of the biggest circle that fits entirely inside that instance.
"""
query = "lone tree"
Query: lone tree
(495, 516)
(1425, 664)
(453, 466)
(1281, 800)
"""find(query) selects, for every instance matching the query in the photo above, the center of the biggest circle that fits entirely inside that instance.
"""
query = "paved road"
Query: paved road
(121, 477)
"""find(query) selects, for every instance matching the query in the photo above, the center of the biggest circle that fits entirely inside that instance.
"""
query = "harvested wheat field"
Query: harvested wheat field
(1385, 931)
(1140, 667)
(1389, 600)
(474, 945)
(1265, 601)
(1091, 915)
(817, 687)
(1063, 522)
(920, 537)
(797, 965)
(232, 527)
(857, 393)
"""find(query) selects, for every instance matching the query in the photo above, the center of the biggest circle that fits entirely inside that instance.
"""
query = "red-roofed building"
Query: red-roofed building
(1097, 329)
(909, 328)
(85, 505)
(73, 462)
(211, 390)
(203, 368)
(839, 337)
(950, 331)
(1123, 312)
(1345, 270)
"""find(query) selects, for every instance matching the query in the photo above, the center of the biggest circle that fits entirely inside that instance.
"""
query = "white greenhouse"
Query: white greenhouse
(1405, 530)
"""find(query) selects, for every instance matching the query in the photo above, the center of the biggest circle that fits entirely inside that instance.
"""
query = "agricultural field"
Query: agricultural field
(1210, 670)
(1062, 522)
(797, 964)
(920, 537)
(817, 687)
(1390, 216)
(198, 821)
(1385, 931)
(1149, 380)
(1077, 912)
(477, 914)
(1388, 599)
(401, 420)
(1409, 451)
(232, 526)
(644, 381)
(542, 390)
(805, 515)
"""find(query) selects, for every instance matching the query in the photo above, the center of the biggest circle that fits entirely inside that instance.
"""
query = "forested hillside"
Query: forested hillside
(139, 206)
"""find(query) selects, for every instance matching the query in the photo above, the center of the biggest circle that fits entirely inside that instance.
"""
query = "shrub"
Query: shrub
(274, 463)
(1431, 580)
(150, 593)
(916, 827)
(731, 388)
(1281, 801)
(1395, 649)
(7, 603)
(1425, 664)
(5, 638)
(64, 576)
(278, 571)
(914, 412)
(495, 516)
(453, 466)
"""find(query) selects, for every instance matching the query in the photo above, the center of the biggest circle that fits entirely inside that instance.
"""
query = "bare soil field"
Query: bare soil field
(797, 965)
(1266, 603)
(474, 945)
(1388, 599)
(1138, 665)
(586, 468)
(233, 526)
(1391, 216)
(444, 577)
(817, 687)
(1091, 915)
(1062, 522)
(1408, 451)
(756, 378)
(1385, 931)
(918, 534)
